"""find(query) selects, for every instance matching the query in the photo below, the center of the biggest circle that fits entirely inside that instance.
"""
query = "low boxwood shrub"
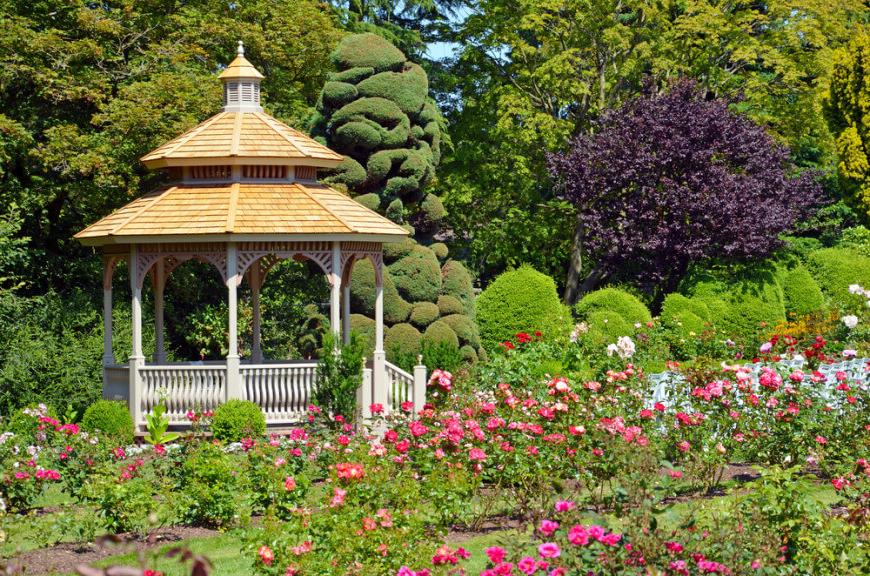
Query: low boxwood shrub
(401, 340)
(605, 327)
(685, 315)
(440, 331)
(802, 293)
(626, 305)
(837, 268)
(111, 420)
(424, 313)
(521, 300)
(237, 419)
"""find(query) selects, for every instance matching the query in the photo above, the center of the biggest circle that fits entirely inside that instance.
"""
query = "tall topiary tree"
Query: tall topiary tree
(848, 111)
(376, 111)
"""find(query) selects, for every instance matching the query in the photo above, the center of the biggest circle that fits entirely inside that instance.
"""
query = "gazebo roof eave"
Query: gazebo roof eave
(174, 162)
(127, 240)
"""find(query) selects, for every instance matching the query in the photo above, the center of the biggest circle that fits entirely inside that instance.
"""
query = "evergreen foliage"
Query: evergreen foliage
(802, 293)
(521, 300)
(624, 304)
(237, 419)
(110, 420)
(837, 268)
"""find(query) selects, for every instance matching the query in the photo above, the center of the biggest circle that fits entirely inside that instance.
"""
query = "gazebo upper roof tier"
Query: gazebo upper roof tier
(242, 137)
(223, 211)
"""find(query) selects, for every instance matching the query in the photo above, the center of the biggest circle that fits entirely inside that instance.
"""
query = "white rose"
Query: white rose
(850, 321)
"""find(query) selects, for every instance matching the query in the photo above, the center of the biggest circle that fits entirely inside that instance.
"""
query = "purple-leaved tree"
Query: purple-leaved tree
(670, 179)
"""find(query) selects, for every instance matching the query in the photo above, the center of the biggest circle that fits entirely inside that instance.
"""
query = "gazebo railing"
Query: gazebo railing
(282, 391)
(183, 388)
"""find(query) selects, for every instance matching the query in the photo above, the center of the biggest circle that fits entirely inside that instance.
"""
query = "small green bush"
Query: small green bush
(433, 212)
(456, 282)
(521, 300)
(835, 269)
(408, 89)
(208, 487)
(339, 375)
(111, 420)
(450, 305)
(402, 339)
(626, 305)
(417, 276)
(424, 313)
(802, 293)
(237, 419)
(440, 332)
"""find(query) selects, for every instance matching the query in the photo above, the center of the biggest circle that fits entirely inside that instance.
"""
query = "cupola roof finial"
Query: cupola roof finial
(241, 49)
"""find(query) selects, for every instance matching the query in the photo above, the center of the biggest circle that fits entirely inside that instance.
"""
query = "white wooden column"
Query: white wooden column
(159, 285)
(234, 382)
(345, 313)
(335, 294)
(108, 354)
(137, 358)
(379, 358)
(255, 281)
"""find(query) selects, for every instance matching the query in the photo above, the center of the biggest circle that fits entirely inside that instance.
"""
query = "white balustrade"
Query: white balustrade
(183, 388)
(282, 391)
(400, 386)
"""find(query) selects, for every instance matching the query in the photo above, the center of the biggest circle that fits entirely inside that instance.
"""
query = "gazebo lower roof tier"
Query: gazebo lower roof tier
(242, 138)
(241, 211)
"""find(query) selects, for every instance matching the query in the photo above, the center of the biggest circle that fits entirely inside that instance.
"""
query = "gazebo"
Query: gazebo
(242, 195)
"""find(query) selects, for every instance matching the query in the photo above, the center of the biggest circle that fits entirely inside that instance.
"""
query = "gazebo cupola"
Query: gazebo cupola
(243, 194)
(241, 85)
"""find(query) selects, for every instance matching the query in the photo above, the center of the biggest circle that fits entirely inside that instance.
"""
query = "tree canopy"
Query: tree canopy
(670, 179)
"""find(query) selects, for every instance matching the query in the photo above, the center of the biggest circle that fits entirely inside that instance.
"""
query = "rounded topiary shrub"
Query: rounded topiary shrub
(440, 249)
(521, 300)
(626, 305)
(456, 282)
(364, 326)
(465, 329)
(417, 276)
(440, 332)
(367, 50)
(450, 305)
(395, 250)
(837, 268)
(402, 340)
(802, 293)
(685, 315)
(237, 419)
(605, 327)
(109, 419)
(468, 354)
(372, 202)
(424, 313)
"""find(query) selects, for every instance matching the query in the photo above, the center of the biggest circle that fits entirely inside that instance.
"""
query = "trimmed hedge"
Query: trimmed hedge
(449, 305)
(835, 269)
(802, 293)
(626, 305)
(685, 315)
(424, 313)
(367, 50)
(401, 340)
(365, 327)
(440, 332)
(605, 326)
(465, 329)
(372, 202)
(362, 294)
(468, 354)
(521, 300)
(440, 249)
(417, 276)
(237, 419)
(456, 282)
(111, 420)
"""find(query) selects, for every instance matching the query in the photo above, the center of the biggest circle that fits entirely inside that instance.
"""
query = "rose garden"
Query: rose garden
(589, 296)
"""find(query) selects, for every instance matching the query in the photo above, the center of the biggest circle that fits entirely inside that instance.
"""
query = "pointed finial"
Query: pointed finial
(241, 49)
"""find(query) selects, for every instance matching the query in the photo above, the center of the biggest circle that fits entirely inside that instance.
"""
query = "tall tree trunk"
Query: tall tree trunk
(575, 266)
(592, 281)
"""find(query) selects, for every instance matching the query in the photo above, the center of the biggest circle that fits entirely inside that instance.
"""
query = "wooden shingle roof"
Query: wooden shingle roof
(242, 138)
(279, 209)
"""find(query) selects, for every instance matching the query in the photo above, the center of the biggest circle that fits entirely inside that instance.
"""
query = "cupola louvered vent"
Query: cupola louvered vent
(211, 172)
(306, 173)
